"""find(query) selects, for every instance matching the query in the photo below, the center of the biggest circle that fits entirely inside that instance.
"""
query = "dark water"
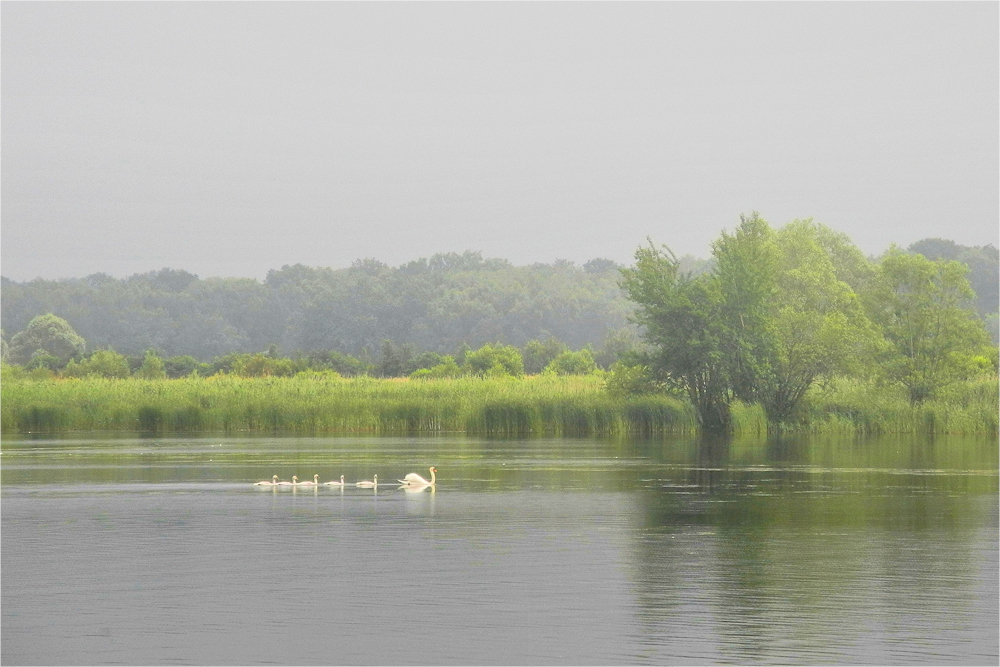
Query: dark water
(126, 551)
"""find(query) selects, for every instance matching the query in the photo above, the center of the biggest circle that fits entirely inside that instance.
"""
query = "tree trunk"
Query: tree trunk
(715, 416)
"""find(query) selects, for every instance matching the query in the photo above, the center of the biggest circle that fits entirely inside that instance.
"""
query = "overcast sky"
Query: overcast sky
(232, 138)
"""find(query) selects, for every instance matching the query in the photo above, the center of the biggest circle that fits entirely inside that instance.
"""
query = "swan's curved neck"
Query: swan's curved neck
(433, 477)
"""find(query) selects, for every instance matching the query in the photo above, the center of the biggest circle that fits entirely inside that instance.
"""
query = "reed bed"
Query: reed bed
(543, 405)
(854, 406)
(540, 405)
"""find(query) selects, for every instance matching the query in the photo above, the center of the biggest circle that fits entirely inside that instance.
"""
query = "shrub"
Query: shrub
(152, 367)
(495, 361)
(573, 363)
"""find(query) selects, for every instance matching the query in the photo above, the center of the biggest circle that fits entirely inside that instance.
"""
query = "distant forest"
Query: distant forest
(440, 304)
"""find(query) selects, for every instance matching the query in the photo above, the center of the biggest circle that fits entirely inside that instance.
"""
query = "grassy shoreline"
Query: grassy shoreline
(543, 405)
(538, 405)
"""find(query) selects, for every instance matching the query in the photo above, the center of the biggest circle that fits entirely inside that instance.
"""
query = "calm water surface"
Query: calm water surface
(159, 551)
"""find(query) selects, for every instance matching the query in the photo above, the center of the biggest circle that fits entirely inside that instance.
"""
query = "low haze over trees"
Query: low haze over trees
(434, 304)
(771, 314)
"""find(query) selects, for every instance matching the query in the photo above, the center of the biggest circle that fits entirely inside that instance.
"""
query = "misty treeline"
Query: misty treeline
(369, 318)
(375, 319)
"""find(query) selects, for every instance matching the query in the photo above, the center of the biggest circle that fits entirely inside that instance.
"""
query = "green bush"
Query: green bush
(495, 361)
(573, 363)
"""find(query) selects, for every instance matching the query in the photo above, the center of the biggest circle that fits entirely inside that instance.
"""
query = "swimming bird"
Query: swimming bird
(340, 483)
(369, 484)
(413, 479)
(295, 480)
(315, 482)
(273, 482)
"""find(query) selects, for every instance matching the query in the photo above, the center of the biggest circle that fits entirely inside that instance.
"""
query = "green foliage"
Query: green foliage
(495, 361)
(991, 322)
(539, 354)
(152, 367)
(42, 359)
(323, 402)
(777, 314)
(101, 363)
(397, 360)
(254, 365)
(762, 328)
(816, 325)
(923, 308)
(984, 269)
(849, 264)
(344, 364)
(40, 373)
(682, 317)
(10, 372)
(433, 304)
(448, 368)
(325, 375)
(53, 335)
(107, 363)
(427, 360)
(619, 344)
(319, 403)
(601, 265)
(632, 379)
(184, 365)
(747, 271)
(262, 365)
(573, 363)
(851, 405)
(750, 419)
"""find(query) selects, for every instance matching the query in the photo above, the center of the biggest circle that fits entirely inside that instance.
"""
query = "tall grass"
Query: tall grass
(855, 406)
(540, 405)
(544, 405)
(749, 420)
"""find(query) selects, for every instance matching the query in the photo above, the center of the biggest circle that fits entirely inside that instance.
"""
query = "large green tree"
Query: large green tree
(816, 326)
(682, 320)
(49, 334)
(747, 266)
(925, 310)
(772, 317)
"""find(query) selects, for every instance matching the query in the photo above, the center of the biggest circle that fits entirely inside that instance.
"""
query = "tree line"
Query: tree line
(50, 347)
(435, 304)
(770, 314)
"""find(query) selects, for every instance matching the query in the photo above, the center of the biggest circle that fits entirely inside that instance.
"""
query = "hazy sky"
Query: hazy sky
(231, 138)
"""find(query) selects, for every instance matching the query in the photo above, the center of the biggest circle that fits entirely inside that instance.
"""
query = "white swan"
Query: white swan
(315, 482)
(295, 480)
(369, 484)
(273, 482)
(413, 479)
(340, 483)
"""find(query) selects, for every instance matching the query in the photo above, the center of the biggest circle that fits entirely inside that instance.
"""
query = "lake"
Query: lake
(797, 551)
